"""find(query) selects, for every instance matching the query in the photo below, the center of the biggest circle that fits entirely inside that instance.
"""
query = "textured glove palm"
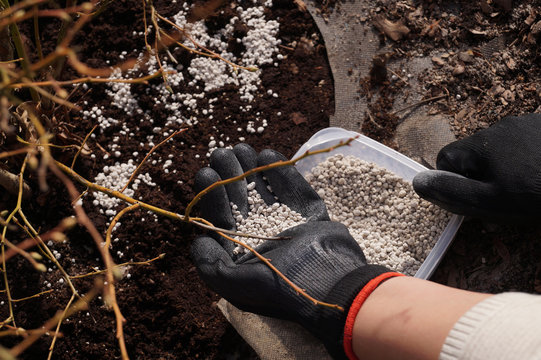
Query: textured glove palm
(493, 173)
(320, 256)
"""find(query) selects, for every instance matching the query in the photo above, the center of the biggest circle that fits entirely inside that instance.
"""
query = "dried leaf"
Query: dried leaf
(431, 29)
(205, 10)
(509, 95)
(478, 32)
(438, 61)
(458, 70)
(297, 118)
(300, 5)
(536, 29)
(496, 90)
(394, 30)
(31, 134)
(531, 18)
(466, 56)
(511, 64)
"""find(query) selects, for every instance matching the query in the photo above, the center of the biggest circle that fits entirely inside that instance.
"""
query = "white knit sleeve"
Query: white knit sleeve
(504, 326)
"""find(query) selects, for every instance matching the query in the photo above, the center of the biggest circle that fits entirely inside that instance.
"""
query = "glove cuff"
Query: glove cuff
(332, 322)
(356, 306)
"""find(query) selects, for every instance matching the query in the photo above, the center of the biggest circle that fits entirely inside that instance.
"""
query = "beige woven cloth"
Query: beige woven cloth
(274, 339)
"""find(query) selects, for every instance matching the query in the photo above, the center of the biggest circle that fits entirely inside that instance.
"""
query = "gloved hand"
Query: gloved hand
(320, 256)
(286, 183)
(494, 173)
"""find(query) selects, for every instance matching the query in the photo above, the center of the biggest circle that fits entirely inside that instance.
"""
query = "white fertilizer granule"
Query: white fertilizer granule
(263, 219)
(392, 225)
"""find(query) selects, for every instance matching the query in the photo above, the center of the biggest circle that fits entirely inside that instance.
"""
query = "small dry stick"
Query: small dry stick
(33, 232)
(36, 33)
(15, 152)
(199, 222)
(418, 103)
(30, 242)
(79, 197)
(33, 296)
(53, 342)
(146, 157)
(104, 251)
(50, 96)
(2, 245)
(17, 6)
(211, 53)
(88, 79)
(97, 272)
(82, 146)
(27, 256)
(110, 295)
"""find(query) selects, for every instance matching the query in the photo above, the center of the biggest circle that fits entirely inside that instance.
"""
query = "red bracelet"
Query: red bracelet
(356, 306)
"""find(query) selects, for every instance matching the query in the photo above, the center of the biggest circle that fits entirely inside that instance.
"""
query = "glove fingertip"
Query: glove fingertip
(422, 183)
(244, 150)
(207, 254)
(205, 177)
(269, 156)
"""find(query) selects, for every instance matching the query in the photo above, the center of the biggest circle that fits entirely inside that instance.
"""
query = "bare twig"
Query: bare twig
(33, 296)
(418, 103)
(258, 169)
(148, 154)
(82, 146)
(267, 262)
(141, 80)
(15, 152)
(110, 296)
(10, 182)
(61, 318)
(97, 272)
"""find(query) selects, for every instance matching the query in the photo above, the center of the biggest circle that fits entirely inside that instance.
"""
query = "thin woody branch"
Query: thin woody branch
(259, 169)
(267, 262)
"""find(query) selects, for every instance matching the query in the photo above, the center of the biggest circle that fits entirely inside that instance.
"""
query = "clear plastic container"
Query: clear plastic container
(367, 149)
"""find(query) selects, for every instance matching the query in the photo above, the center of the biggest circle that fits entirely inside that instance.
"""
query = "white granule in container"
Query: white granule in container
(391, 223)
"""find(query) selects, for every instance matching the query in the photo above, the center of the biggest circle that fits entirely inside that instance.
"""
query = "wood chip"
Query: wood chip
(297, 118)
(466, 56)
(458, 70)
(300, 5)
(509, 95)
(394, 30)
(438, 61)
(496, 90)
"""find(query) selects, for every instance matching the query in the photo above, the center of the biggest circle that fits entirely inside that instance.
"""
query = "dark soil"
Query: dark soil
(486, 65)
(170, 313)
(485, 54)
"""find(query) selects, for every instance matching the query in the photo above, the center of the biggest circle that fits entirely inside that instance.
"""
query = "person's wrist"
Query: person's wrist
(331, 323)
(355, 307)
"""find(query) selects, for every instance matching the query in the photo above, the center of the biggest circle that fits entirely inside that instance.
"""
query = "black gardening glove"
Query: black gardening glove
(495, 173)
(286, 183)
(320, 256)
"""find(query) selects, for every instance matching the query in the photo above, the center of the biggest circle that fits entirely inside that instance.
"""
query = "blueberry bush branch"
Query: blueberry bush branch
(259, 169)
